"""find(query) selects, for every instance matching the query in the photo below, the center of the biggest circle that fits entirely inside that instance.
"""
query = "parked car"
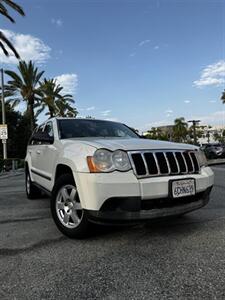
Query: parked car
(103, 172)
(213, 151)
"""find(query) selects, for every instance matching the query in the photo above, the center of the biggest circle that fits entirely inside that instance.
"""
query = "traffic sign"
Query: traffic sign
(3, 132)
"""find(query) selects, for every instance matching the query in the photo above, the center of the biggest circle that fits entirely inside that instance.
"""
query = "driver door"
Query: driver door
(48, 155)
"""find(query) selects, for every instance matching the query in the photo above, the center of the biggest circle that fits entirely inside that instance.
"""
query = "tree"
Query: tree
(65, 109)
(156, 134)
(180, 130)
(4, 42)
(199, 133)
(26, 85)
(219, 136)
(18, 132)
(52, 98)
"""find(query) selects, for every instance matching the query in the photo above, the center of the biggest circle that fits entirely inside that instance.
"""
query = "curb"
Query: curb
(216, 161)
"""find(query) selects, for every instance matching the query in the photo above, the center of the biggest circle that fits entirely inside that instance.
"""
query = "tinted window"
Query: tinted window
(37, 129)
(40, 128)
(49, 129)
(75, 128)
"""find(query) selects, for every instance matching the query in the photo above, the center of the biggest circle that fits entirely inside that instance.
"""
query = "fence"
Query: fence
(11, 164)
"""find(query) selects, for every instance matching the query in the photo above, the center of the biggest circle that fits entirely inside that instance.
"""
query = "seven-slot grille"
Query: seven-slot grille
(166, 162)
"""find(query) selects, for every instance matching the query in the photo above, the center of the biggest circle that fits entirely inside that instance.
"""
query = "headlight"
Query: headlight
(121, 161)
(102, 160)
(201, 158)
(106, 161)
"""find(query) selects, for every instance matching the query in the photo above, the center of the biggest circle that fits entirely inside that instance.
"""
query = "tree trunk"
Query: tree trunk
(51, 112)
(31, 111)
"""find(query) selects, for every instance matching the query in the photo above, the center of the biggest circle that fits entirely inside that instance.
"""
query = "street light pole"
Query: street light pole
(194, 123)
(3, 115)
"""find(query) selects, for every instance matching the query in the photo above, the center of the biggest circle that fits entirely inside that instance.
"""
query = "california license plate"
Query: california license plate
(183, 188)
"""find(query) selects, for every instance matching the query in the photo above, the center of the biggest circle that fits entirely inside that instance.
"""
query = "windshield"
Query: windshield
(75, 128)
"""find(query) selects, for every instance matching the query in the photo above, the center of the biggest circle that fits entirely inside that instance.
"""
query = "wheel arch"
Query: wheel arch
(62, 169)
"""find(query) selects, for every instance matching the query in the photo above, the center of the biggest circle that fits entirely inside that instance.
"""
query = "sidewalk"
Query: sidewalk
(9, 174)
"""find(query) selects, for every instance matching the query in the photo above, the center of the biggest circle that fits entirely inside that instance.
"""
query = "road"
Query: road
(182, 258)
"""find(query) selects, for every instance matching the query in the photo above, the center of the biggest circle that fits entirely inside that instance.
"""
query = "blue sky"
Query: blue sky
(140, 62)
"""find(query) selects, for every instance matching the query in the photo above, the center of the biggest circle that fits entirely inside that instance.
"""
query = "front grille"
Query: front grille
(161, 163)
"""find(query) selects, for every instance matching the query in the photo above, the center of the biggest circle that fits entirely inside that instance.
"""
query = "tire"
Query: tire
(66, 209)
(31, 190)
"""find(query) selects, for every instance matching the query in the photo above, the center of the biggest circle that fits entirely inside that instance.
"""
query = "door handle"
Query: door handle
(38, 152)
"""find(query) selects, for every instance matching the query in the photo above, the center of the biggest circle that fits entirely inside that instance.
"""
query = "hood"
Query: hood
(133, 144)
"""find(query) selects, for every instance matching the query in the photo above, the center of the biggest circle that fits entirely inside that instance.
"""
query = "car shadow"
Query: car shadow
(163, 226)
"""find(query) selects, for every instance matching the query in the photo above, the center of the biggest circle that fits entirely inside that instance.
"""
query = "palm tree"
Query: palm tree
(3, 11)
(53, 99)
(180, 130)
(26, 84)
(157, 134)
(65, 109)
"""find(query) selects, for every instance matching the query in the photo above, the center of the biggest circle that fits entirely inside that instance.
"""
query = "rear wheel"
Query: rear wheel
(31, 190)
(66, 208)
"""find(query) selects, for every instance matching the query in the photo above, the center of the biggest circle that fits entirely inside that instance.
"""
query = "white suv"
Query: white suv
(104, 172)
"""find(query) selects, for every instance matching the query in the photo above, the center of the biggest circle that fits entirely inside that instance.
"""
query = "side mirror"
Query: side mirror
(43, 137)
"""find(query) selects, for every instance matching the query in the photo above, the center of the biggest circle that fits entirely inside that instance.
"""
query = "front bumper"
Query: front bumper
(123, 210)
(95, 189)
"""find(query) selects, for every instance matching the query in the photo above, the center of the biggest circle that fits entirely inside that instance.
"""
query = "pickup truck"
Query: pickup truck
(104, 172)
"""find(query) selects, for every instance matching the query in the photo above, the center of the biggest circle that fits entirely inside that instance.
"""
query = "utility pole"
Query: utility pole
(3, 115)
(194, 123)
(208, 136)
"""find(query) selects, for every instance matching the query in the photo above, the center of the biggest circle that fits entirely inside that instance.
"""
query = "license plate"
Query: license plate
(183, 188)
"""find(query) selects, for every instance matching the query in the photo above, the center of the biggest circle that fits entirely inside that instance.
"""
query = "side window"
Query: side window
(37, 129)
(49, 129)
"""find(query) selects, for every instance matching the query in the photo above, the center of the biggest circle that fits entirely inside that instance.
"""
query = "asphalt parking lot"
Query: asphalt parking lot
(182, 258)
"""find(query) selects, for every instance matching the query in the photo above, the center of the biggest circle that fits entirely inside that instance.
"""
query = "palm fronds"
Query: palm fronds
(26, 83)
(57, 103)
(4, 41)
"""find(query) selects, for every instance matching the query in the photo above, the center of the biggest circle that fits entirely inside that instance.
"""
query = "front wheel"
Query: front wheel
(67, 212)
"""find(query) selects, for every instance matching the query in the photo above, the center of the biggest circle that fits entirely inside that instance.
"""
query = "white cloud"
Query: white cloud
(156, 124)
(169, 111)
(28, 47)
(105, 113)
(187, 101)
(69, 82)
(212, 75)
(156, 47)
(212, 101)
(214, 118)
(90, 108)
(132, 54)
(144, 42)
(57, 22)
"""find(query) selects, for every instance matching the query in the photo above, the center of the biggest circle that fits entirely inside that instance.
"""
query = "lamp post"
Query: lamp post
(194, 123)
(3, 115)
